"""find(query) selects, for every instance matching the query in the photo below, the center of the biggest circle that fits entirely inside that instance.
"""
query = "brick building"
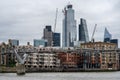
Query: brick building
(69, 59)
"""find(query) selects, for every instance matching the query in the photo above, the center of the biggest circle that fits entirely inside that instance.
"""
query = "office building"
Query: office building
(107, 36)
(42, 61)
(48, 35)
(2, 54)
(103, 55)
(56, 39)
(83, 31)
(69, 33)
(6, 57)
(40, 43)
(98, 46)
(13, 42)
(114, 41)
(69, 59)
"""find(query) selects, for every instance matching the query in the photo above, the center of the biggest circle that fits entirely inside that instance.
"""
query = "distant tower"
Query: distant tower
(107, 36)
(69, 33)
(40, 43)
(83, 31)
(114, 41)
(14, 42)
(48, 35)
(56, 39)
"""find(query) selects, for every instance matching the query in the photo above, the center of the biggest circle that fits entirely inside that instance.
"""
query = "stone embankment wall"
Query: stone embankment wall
(7, 69)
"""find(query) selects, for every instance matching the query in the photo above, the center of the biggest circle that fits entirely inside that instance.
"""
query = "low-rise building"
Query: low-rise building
(89, 59)
(42, 61)
(69, 59)
(108, 56)
(118, 51)
(110, 60)
(7, 58)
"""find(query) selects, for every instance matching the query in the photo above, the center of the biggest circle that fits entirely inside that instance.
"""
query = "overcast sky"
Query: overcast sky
(25, 19)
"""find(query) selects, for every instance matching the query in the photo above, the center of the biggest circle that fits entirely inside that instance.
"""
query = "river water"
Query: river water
(63, 76)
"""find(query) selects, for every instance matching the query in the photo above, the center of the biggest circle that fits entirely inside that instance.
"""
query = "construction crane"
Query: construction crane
(92, 38)
(55, 24)
(55, 19)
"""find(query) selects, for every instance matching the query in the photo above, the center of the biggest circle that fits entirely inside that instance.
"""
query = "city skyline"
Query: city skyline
(25, 20)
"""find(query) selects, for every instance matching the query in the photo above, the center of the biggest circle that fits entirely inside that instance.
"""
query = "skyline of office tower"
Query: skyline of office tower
(56, 39)
(83, 31)
(14, 42)
(48, 35)
(107, 36)
(69, 29)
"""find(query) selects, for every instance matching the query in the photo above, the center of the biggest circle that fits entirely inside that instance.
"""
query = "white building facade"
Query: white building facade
(42, 61)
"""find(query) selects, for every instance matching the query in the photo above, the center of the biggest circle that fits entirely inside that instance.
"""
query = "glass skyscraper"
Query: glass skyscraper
(114, 41)
(69, 33)
(40, 42)
(14, 42)
(83, 31)
(107, 36)
(56, 39)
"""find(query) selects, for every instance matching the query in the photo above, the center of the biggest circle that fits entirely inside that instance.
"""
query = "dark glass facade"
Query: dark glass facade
(14, 42)
(56, 39)
(83, 32)
(48, 27)
(40, 42)
(114, 41)
(106, 39)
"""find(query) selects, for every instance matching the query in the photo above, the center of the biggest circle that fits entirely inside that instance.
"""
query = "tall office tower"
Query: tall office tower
(83, 31)
(56, 39)
(107, 36)
(69, 31)
(13, 42)
(48, 35)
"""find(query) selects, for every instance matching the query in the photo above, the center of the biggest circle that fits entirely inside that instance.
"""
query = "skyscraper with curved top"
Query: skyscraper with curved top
(107, 36)
(69, 33)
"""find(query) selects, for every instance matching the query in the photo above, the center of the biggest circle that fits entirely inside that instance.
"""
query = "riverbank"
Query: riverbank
(7, 69)
(13, 70)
